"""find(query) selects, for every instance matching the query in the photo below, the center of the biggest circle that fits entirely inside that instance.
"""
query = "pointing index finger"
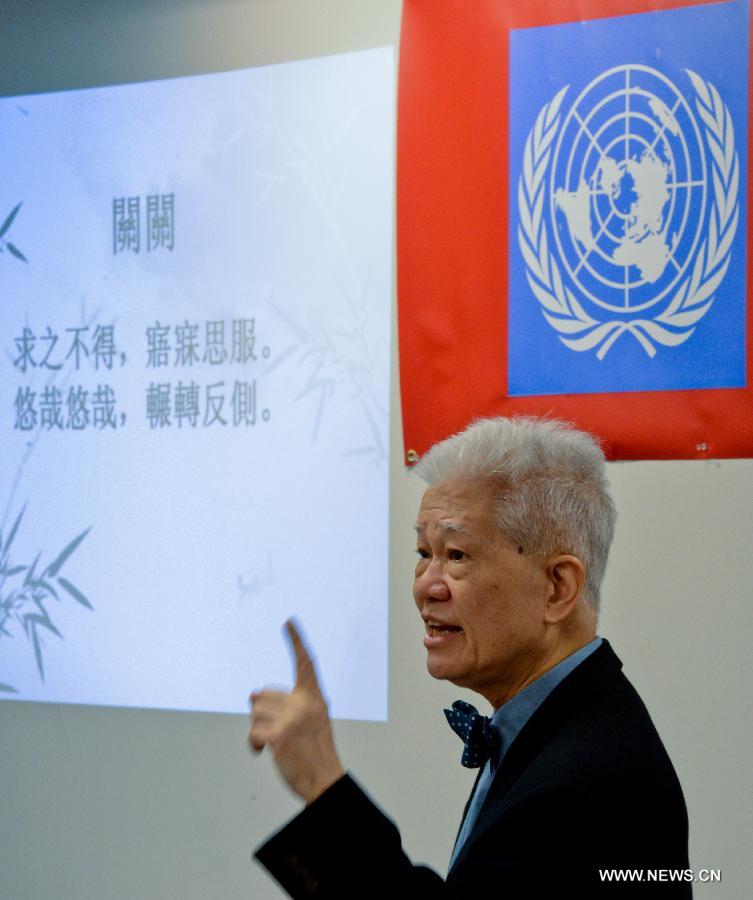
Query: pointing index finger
(305, 673)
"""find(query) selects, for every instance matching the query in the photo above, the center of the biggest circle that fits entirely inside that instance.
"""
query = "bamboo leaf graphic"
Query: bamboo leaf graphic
(9, 219)
(15, 251)
(34, 590)
(38, 652)
(13, 531)
(30, 575)
(30, 627)
(57, 564)
(46, 586)
(32, 621)
(42, 621)
(74, 592)
(37, 601)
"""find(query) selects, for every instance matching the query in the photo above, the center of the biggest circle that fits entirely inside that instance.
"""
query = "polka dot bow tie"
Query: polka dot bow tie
(476, 731)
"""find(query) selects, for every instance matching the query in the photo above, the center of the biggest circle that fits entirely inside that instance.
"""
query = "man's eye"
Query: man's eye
(424, 554)
(455, 555)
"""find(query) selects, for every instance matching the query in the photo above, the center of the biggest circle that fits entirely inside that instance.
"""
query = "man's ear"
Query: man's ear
(567, 577)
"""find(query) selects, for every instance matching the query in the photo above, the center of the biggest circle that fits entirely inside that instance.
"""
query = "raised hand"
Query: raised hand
(296, 728)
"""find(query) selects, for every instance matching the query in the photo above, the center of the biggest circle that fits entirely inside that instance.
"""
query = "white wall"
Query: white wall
(110, 803)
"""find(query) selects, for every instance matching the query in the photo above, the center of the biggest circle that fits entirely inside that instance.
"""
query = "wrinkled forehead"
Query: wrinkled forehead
(458, 507)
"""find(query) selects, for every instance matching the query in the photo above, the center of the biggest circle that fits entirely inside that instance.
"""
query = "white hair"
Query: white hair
(548, 482)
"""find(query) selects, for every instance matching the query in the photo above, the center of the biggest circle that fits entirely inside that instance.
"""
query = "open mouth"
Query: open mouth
(441, 630)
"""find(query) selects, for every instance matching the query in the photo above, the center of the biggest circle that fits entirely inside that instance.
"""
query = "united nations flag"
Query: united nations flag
(572, 221)
(627, 207)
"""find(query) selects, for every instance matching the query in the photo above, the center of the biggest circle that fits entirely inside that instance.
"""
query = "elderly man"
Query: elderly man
(513, 536)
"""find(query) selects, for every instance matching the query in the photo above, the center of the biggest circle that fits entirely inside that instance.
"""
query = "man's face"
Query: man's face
(481, 599)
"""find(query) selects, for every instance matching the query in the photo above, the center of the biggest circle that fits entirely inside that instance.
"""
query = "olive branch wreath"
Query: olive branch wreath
(693, 298)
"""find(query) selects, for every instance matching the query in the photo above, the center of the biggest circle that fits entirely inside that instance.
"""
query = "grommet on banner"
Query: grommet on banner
(702, 447)
(412, 456)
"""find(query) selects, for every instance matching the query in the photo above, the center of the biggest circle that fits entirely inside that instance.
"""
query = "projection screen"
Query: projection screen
(195, 325)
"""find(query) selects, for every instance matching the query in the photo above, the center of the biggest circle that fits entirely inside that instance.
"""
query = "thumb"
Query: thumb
(305, 672)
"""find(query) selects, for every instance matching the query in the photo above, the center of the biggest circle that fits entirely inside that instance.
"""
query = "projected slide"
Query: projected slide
(195, 282)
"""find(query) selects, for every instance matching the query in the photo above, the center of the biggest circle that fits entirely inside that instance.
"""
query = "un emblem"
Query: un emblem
(628, 206)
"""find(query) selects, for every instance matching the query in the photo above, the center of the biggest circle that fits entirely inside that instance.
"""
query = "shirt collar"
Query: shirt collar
(510, 718)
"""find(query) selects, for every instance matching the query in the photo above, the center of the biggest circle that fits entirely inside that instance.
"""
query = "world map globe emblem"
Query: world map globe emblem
(628, 189)
(628, 206)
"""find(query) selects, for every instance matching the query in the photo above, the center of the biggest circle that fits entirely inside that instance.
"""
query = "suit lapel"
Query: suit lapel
(591, 676)
(467, 807)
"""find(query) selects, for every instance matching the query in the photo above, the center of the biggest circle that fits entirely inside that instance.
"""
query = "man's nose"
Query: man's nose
(430, 584)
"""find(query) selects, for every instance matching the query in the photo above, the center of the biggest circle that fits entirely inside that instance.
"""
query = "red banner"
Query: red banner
(626, 257)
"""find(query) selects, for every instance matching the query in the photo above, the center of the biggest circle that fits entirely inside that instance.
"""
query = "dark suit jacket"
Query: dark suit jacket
(586, 785)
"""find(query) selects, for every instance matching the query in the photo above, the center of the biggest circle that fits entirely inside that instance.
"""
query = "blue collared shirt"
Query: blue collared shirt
(509, 720)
